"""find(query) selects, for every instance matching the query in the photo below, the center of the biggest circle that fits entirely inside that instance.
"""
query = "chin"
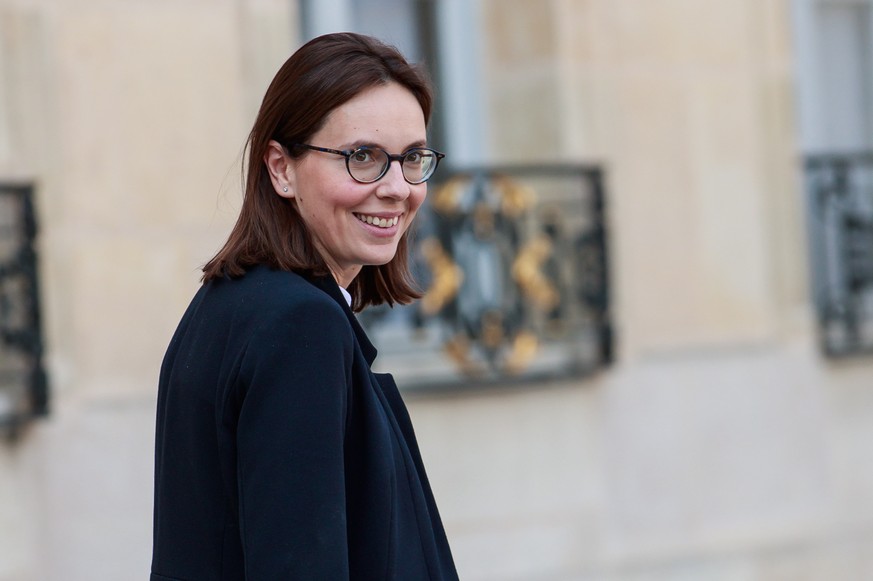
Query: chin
(379, 261)
(381, 258)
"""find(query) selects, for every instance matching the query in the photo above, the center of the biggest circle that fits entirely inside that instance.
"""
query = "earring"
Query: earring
(285, 189)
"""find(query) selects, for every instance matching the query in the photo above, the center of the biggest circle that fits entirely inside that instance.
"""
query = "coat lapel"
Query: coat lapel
(329, 285)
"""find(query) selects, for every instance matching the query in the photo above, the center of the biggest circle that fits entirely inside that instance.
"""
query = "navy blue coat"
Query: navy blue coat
(279, 454)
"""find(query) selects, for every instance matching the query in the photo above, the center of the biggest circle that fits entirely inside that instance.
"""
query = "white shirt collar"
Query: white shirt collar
(346, 295)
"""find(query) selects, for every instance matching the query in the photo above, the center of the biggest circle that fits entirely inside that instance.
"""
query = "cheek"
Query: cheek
(326, 199)
(415, 202)
(416, 199)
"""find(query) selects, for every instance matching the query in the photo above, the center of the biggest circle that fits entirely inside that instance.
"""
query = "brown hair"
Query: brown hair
(319, 77)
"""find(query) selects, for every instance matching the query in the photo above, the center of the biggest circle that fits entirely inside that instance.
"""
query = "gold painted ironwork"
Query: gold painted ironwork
(447, 198)
(447, 277)
(527, 272)
(493, 334)
(524, 347)
(515, 197)
(517, 279)
(483, 221)
(458, 350)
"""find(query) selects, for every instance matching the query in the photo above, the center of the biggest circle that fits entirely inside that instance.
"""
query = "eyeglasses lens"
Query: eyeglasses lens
(418, 165)
(368, 165)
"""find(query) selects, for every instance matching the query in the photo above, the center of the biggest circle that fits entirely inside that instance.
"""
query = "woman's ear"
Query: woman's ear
(281, 169)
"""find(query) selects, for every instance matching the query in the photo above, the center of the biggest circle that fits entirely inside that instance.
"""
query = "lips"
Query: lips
(377, 221)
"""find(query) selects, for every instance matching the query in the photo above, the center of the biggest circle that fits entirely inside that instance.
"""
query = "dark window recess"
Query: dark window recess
(840, 190)
(23, 390)
(514, 264)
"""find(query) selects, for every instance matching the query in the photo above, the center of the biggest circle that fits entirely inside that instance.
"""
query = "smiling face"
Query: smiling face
(354, 224)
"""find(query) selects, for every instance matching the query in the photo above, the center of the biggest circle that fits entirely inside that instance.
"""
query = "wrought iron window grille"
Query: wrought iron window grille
(23, 386)
(840, 199)
(514, 265)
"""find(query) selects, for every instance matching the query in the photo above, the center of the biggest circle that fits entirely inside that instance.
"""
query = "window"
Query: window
(23, 391)
(513, 259)
(514, 263)
(835, 60)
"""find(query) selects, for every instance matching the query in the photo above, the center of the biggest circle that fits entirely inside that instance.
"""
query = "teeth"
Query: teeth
(380, 222)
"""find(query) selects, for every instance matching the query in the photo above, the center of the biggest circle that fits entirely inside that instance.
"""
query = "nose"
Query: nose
(393, 184)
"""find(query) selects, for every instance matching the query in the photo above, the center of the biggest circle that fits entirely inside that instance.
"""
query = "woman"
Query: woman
(279, 454)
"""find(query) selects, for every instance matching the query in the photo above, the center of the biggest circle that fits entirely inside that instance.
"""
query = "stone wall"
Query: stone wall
(130, 118)
(721, 445)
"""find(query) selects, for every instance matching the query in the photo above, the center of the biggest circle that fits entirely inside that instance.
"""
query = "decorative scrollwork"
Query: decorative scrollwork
(506, 256)
(527, 272)
(447, 277)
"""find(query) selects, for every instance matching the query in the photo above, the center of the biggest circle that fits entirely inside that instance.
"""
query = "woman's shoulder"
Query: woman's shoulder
(267, 283)
(284, 316)
(268, 292)
(266, 311)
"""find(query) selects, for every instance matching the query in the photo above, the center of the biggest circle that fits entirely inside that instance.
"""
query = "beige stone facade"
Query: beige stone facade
(721, 445)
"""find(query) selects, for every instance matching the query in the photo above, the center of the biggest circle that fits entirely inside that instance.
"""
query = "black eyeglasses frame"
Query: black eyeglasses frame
(347, 153)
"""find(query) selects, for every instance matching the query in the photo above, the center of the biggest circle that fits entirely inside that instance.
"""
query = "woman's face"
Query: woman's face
(337, 209)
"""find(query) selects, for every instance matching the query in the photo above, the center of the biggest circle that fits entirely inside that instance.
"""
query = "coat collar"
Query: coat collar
(329, 285)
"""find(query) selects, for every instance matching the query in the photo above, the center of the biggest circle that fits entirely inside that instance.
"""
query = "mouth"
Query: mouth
(377, 221)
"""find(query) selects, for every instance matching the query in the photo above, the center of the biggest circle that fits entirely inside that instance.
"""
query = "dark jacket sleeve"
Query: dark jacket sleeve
(295, 381)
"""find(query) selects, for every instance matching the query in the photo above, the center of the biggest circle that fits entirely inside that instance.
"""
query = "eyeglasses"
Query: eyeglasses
(370, 164)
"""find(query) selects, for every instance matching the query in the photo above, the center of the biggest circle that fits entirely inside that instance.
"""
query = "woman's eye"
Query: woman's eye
(362, 156)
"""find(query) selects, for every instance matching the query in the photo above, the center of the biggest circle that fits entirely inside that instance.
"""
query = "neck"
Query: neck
(344, 277)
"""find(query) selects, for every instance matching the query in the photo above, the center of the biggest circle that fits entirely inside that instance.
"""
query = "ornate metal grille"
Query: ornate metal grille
(514, 265)
(23, 392)
(840, 189)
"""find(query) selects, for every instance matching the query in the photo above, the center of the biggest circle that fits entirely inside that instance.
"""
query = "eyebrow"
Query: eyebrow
(365, 143)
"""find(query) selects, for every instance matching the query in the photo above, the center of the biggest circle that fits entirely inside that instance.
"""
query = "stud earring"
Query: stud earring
(285, 189)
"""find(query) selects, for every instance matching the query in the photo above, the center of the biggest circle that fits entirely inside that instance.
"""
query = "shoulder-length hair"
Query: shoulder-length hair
(323, 74)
